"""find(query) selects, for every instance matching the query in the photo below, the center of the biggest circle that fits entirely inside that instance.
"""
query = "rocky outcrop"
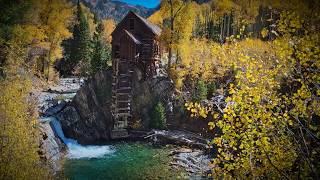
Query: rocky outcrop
(51, 147)
(88, 118)
(147, 92)
(194, 161)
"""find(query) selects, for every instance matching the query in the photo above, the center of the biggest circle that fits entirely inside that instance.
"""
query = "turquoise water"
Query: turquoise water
(125, 161)
(116, 161)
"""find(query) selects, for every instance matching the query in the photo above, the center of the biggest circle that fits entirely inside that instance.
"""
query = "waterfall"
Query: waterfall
(76, 150)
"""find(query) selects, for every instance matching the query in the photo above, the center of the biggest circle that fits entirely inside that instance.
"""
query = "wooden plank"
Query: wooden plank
(124, 114)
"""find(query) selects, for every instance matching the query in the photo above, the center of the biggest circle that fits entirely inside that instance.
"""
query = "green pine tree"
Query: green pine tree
(200, 92)
(66, 65)
(101, 51)
(159, 117)
(81, 43)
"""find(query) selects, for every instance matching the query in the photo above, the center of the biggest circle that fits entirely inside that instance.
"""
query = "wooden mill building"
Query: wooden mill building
(135, 44)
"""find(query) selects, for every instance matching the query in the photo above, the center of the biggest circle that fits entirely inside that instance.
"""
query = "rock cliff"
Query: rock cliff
(88, 117)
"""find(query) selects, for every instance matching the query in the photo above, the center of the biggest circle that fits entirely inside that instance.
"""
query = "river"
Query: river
(126, 161)
(122, 160)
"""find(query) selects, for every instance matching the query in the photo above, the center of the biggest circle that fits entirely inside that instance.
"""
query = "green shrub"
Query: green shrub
(211, 89)
(200, 91)
(158, 116)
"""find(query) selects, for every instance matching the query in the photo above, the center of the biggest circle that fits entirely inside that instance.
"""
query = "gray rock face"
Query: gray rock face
(52, 147)
(147, 92)
(88, 119)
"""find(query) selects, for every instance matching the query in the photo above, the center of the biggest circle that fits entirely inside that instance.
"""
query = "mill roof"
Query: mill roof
(154, 28)
(135, 39)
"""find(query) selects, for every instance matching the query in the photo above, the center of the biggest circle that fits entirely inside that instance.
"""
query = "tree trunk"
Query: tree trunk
(169, 57)
(171, 35)
(49, 60)
(177, 59)
(43, 65)
(225, 27)
(48, 68)
(270, 27)
(229, 24)
(221, 30)
(207, 26)
(211, 25)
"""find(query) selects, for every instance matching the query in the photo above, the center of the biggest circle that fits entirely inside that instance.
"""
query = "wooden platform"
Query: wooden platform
(119, 134)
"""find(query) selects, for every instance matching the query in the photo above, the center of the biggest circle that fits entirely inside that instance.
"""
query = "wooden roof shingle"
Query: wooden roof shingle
(156, 30)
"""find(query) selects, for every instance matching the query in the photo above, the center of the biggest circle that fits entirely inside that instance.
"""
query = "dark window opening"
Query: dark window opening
(131, 24)
(116, 51)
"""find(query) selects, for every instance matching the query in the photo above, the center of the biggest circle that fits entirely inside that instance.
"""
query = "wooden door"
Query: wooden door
(127, 53)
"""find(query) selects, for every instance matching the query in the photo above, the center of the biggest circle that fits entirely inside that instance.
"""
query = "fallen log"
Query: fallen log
(178, 138)
(62, 92)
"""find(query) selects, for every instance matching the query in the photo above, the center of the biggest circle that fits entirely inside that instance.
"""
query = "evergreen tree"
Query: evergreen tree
(81, 43)
(66, 65)
(101, 50)
(200, 92)
(158, 117)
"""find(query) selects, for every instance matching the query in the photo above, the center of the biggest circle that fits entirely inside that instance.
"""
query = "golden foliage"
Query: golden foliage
(52, 19)
(108, 25)
(18, 136)
(202, 59)
(156, 18)
(181, 16)
(271, 104)
(44, 26)
(55, 17)
(90, 19)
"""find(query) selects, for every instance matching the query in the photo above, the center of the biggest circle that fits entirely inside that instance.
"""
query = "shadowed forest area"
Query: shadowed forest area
(249, 71)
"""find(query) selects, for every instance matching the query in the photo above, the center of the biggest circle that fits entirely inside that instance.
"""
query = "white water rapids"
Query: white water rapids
(76, 150)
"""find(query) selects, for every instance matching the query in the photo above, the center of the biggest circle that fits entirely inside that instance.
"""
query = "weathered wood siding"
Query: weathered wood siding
(127, 47)
(140, 31)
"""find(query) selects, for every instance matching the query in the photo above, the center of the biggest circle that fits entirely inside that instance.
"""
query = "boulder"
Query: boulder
(55, 108)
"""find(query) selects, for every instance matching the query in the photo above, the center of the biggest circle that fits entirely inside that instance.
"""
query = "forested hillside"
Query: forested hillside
(250, 70)
(115, 9)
